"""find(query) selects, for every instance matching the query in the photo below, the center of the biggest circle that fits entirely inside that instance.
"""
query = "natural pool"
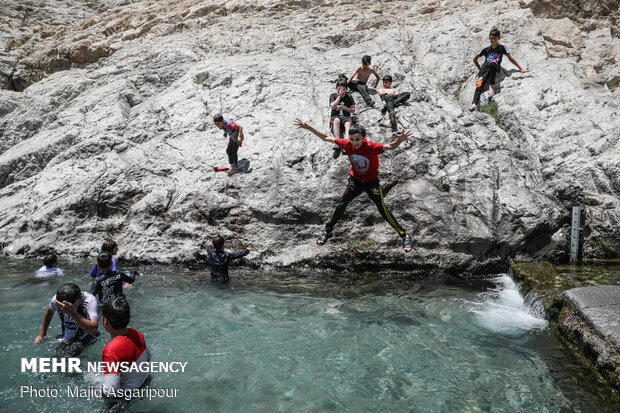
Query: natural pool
(318, 343)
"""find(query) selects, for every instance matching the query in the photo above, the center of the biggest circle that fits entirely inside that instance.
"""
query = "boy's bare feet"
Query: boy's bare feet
(472, 107)
(491, 91)
(232, 171)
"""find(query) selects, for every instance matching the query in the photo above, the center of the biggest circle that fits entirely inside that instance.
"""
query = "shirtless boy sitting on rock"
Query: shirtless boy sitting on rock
(363, 72)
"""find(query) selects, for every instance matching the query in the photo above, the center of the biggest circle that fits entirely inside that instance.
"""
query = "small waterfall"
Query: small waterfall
(504, 309)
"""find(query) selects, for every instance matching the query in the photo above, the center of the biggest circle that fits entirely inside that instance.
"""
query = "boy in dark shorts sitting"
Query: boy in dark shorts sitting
(363, 175)
(493, 58)
(391, 100)
(342, 106)
(219, 259)
(363, 73)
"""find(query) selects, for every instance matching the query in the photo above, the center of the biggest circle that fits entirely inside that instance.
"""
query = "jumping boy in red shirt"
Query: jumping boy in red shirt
(364, 175)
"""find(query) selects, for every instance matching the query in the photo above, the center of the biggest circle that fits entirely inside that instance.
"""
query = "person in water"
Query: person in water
(235, 140)
(50, 267)
(219, 259)
(79, 319)
(363, 175)
(109, 285)
(126, 345)
(392, 99)
(493, 59)
(110, 247)
(361, 75)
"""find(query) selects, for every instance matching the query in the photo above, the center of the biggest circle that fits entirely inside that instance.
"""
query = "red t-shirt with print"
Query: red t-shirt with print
(364, 161)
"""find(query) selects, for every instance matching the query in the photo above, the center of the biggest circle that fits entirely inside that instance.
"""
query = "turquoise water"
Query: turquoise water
(313, 343)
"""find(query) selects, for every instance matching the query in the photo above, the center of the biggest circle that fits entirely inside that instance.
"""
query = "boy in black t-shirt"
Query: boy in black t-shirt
(493, 58)
(109, 285)
(342, 105)
(219, 259)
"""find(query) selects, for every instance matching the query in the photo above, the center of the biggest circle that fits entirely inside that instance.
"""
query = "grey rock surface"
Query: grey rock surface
(116, 140)
(591, 319)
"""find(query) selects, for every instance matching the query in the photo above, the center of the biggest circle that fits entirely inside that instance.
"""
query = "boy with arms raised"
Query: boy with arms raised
(363, 73)
(364, 175)
(493, 58)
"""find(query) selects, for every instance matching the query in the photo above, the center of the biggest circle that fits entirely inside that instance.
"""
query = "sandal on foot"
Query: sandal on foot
(324, 237)
(407, 243)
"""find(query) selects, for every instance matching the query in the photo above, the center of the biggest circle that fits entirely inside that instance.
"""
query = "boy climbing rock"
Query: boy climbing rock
(493, 58)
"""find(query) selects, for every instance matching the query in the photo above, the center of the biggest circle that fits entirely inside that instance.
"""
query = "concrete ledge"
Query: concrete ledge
(590, 319)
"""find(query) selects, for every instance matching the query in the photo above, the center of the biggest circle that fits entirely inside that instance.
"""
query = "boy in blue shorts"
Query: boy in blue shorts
(493, 58)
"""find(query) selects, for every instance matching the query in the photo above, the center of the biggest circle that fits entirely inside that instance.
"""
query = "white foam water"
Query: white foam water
(504, 309)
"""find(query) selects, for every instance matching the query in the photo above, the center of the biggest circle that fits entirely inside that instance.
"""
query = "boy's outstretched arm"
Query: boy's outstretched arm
(514, 62)
(400, 138)
(303, 125)
(353, 75)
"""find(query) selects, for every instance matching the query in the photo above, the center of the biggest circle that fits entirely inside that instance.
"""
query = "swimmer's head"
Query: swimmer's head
(104, 261)
(69, 292)
(50, 261)
(219, 121)
(110, 246)
(365, 61)
(218, 242)
(115, 314)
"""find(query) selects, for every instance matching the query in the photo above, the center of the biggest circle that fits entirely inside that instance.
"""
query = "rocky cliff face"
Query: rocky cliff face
(106, 130)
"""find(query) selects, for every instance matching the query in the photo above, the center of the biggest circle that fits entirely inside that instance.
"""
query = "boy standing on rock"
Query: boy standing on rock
(235, 135)
(493, 58)
(364, 175)
(392, 99)
(363, 72)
